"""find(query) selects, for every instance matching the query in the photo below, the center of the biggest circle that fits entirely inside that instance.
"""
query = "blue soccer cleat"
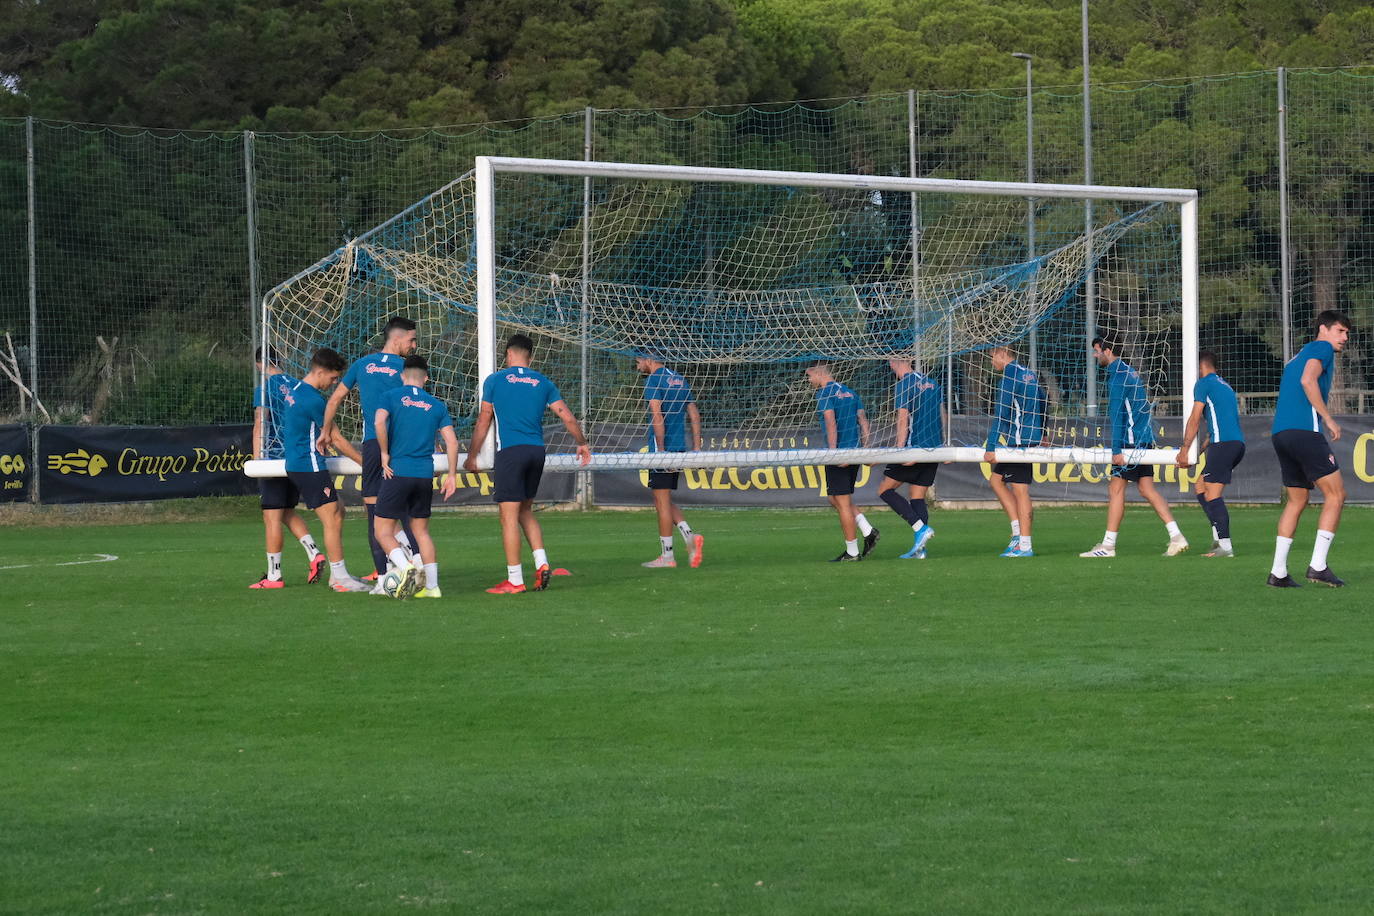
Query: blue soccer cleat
(918, 546)
(1018, 553)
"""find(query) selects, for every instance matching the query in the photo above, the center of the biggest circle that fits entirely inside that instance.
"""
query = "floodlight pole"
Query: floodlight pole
(1030, 201)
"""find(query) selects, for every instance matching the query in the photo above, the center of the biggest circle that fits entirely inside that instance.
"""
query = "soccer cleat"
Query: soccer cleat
(1176, 546)
(847, 557)
(506, 588)
(917, 553)
(870, 541)
(376, 589)
(1219, 551)
(922, 535)
(1286, 582)
(662, 561)
(1324, 577)
(351, 584)
(922, 554)
(698, 543)
(317, 567)
(429, 593)
(265, 582)
(372, 576)
(411, 582)
(1018, 552)
(1015, 540)
(542, 575)
(1099, 550)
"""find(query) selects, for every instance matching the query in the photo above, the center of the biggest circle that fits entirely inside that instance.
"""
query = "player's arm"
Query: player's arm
(1311, 373)
(1189, 432)
(331, 409)
(1116, 417)
(383, 441)
(258, 413)
(584, 451)
(694, 417)
(656, 420)
(451, 449)
(1001, 416)
(831, 434)
(344, 447)
(903, 424)
(479, 435)
(864, 428)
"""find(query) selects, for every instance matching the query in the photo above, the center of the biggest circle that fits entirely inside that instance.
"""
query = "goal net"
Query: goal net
(740, 279)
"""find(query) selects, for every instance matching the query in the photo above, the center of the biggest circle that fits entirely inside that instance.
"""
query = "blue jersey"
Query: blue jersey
(275, 387)
(413, 418)
(1219, 407)
(519, 395)
(1020, 418)
(1128, 407)
(1294, 410)
(920, 396)
(846, 404)
(672, 390)
(304, 419)
(372, 377)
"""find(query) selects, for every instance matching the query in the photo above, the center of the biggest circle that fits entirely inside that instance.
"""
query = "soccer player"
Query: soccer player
(373, 376)
(1305, 457)
(920, 424)
(1215, 400)
(516, 398)
(670, 403)
(407, 424)
(305, 466)
(1018, 423)
(1129, 414)
(277, 495)
(845, 425)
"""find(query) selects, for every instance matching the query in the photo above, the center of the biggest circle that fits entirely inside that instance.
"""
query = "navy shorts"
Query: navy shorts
(405, 497)
(922, 475)
(278, 493)
(315, 487)
(372, 467)
(1304, 457)
(517, 470)
(839, 481)
(1222, 459)
(1133, 473)
(1013, 473)
(664, 480)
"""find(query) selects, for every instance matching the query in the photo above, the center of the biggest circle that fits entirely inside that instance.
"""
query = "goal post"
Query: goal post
(740, 278)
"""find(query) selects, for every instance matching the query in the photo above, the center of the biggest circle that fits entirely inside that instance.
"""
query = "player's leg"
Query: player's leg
(371, 486)
(534, 534)
(1214, 505)
(844, 507)
(1008, 504)
(696, 544)
(1025, 514)
(1333, 501)
(271, 523)
(426, 560)
(331, 516)
(1146, 482)
(1287, 527)
(663, 508)
(1116, 510)
(313, 555)
(1200, 494)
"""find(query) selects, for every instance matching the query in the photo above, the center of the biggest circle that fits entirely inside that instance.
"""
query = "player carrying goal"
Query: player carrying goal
(670, 406)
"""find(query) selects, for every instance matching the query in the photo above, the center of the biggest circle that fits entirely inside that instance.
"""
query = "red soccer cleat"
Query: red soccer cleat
(317, 567)
(541, 578)
(698, 543)
(506, 588)
(371, 577)
(265, 582)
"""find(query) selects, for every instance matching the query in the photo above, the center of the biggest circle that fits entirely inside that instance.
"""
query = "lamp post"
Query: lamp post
(1030, 201)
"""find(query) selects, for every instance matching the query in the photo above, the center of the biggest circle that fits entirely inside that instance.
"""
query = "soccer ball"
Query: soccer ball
(394, 583)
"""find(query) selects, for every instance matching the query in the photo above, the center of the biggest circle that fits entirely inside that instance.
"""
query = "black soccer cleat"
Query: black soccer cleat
(1325, 577)
(1285, 582)
(870, 541)
(847, 558)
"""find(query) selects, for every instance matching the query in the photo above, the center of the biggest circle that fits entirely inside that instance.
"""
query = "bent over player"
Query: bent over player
(1215, 401)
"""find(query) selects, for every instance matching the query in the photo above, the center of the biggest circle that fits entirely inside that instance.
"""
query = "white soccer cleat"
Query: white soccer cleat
(1100, 550)
(1176, 546)
(1219, 551)
(349, 584)
(660, 562)
(377, 588)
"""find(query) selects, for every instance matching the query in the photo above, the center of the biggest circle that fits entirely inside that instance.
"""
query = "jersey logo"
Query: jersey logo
(525, 379)
(408, 401)
(288, 399)
(373, 368)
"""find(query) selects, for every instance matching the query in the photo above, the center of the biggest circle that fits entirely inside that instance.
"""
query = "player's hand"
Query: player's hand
(990, 457)
(1119, 460)
(584, 454)
(1184, 461)
(386, 467)
(450, 485)
(1333, 428)
(325, 439)
(470, 464)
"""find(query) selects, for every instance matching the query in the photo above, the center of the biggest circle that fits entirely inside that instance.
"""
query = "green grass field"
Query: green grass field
(768, 734)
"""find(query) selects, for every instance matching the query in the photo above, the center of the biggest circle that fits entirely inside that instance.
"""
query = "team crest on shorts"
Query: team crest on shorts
(326, 491)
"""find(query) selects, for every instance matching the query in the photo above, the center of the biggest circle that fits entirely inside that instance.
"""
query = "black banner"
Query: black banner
(88, 464)
(15, 456)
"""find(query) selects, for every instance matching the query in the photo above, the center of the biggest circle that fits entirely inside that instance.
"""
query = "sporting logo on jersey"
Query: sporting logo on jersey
(374, 368)
(407, 401)
(525, 379)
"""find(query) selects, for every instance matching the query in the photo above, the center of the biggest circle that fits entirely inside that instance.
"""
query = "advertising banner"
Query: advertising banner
(473, 489)
(88, 464)
(15, 456)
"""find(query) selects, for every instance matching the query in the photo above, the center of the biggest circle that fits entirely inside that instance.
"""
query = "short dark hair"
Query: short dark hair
(1106, 342)
(416, 361)
(1329, 317)
(520, 342)
(1210, 358)
(330, 360)
(269, 360)
(397, 323)
(1005, 348)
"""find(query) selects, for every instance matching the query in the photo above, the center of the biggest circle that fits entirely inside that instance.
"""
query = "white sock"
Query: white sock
(852, 548)
(515, 574)
(311, 551)
(1215, 539)
(1172, 528)
(666, 545)
(338, 570)
(1109, 539)
(686, 531)
(1224, 543)
(918, 526)
(398, 558)
(431, 575)
(541, 558)
(1281, 545)
(1025, 542)
(1319, 549)
(274, 567)
(404, 541)
(1016, 528)
(864, 527)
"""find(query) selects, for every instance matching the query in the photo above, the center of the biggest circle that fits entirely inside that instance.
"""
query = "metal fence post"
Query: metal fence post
(1090, 281)
(1285, 258)
(586, 496)
(33, 306)
(250, 190)
(915, 222)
